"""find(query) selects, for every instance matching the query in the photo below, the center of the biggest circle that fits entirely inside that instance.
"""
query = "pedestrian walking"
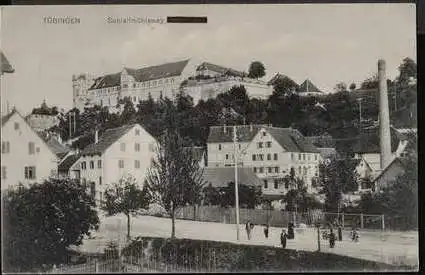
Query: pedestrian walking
(248, 229)
(266, 230)
(331, 239)
(339, 232)
(291, 234)
(283, 237)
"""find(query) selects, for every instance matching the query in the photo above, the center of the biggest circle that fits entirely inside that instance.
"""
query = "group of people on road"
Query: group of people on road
(289, 235)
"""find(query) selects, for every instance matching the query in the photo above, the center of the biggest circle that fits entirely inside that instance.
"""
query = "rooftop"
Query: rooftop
(219, 69)
(221, 176)
(67, 163)
(308, 87)
(5, 65)
(108, 138)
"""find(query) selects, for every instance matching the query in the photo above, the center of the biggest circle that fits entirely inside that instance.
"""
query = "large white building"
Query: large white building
(211, 80)
(26, 157)
(157, 81)
(126, 151)
(269, 151)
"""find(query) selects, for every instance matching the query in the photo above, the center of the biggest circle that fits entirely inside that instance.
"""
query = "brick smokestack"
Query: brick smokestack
(384, 116)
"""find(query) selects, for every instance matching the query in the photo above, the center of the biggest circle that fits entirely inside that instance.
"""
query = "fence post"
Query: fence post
(383, 222)
(361, 220)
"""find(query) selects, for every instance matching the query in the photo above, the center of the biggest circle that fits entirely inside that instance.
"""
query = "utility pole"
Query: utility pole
(235, 141)
(360, 113)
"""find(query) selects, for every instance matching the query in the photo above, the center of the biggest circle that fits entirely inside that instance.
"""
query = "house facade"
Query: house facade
(158, 81)
(270, 152)
(389, 174)
(121, 152)
(26, 158)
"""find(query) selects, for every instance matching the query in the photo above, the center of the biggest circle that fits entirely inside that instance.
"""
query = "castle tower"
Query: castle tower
(384, 116)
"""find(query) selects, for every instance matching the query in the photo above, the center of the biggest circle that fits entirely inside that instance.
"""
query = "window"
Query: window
(219, 147)
(255, 169)
(134, 99)
(137, 147)
(134, 85)
(264, 133)
(137, 164)
(3, 172)
(292, 156)
(154, 83)
(5, 147)
(125, 86)
(299, 156)
(276, 184)
(261, 169)
(121, 163)
(308, 157)
(299, 170)
(270, 169)
(275, 156)
(30, 172)
(91, 164)
(315, 156)
(83, 165)
(253, 157)
(122, 146)
(303, 156)
(269, 156)
(100, 180)
(227, 156)
(266, 184)
(100, 196)
(99, 163)
(160, 94)
(260, 145)
(16, 126)
(239, 146)
(305, 170)
(269, 144)
(276, 169)
(137, 132)
(31, 148)
(261, 156)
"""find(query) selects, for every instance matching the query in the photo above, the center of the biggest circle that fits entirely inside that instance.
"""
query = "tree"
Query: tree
(340, 87)
(336, 177)
(41, 222)
(283, 86)
(352, 86)
(174, 178)
(407, 69)
(256, 70)
(126, 197)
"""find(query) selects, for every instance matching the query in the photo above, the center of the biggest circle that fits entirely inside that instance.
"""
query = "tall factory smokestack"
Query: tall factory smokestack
(384, 116)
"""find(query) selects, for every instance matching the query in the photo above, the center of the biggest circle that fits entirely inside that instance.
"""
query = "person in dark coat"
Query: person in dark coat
(283, 237)
(339, 232)
(332, 239)
(248, 229)
(291, 234)
(266, 231)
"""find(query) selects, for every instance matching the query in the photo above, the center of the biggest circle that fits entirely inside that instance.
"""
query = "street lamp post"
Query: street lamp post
(236, 181)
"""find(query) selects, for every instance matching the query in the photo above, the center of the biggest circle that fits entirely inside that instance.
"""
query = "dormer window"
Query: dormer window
(16, 126)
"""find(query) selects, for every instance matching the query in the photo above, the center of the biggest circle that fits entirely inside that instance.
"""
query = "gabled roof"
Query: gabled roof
(219, 69)
(225, 133)
(395, 161)
(141, 75)
(221, 176)
(308, 87)
(6, 117)
(290, 139)
(67, 163)
(5, 65)
(55, 146)
(110, 80)
(108, 138)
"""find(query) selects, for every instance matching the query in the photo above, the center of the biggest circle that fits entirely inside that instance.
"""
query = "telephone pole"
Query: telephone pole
(235, 141)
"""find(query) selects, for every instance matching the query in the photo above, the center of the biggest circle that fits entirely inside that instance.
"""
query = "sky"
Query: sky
(326, 43)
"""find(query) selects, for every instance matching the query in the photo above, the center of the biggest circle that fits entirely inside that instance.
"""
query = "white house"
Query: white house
(269, 151)
(26, 157)
(120, 152)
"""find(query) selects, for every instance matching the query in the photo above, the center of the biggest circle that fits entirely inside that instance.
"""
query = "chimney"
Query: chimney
(384, 116)
(96, 137)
